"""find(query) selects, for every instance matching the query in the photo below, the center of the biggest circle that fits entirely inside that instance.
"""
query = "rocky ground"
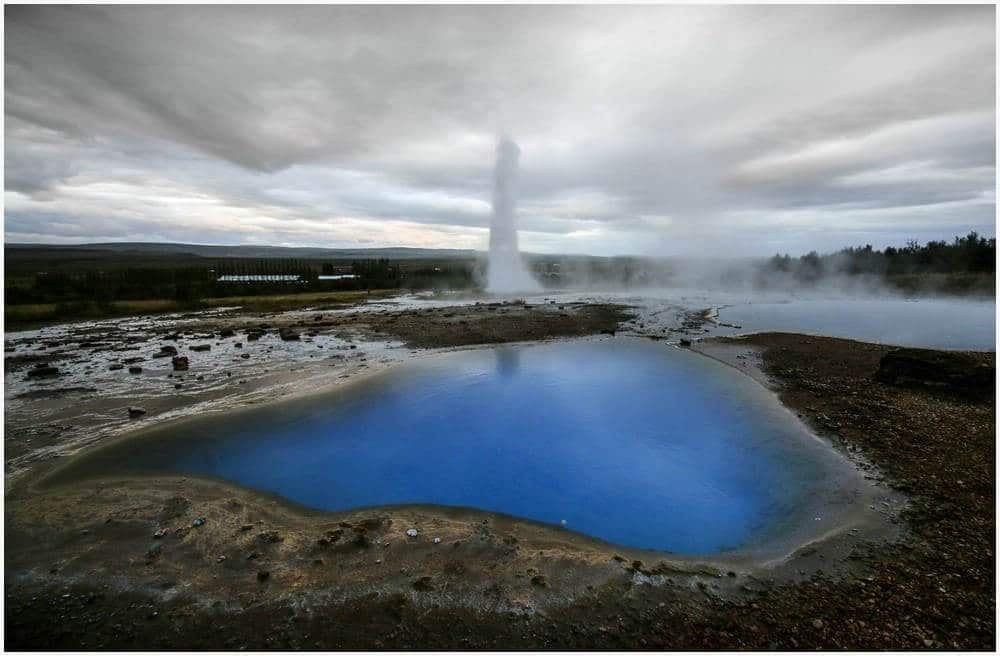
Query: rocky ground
(73, 385)
(186, 563)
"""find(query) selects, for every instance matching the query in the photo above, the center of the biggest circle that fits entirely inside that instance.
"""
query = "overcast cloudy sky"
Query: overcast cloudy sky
(645, 130)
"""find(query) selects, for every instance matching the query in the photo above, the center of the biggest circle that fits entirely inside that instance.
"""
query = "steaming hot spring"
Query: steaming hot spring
(620, 440)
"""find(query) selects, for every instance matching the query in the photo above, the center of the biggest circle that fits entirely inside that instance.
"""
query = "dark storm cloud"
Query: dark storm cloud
(643, 129)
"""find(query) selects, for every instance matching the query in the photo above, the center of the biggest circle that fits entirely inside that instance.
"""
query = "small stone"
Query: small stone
(135, 413)
(198, 522)
(263, 575)
(271, 537)
(437, 540)
(154, 552)
(288, 335)
(817, 624)
(43, 371)
(135, 369)
(411, 532)
(423, 584)
(220, 559)
(160, 532)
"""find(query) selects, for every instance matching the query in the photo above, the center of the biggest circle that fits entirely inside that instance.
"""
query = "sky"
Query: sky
(644, 130)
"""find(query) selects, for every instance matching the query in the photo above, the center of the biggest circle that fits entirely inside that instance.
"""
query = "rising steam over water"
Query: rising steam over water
(507, 273)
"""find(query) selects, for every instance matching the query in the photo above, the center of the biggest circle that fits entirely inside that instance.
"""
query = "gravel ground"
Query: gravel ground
(933, 589)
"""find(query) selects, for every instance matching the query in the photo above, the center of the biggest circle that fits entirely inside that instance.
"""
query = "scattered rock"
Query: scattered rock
(424, 584)
(201, 347)
(135, 413)
(263, 575)
(686, 343)
(154, 553)
(165, 352)
(271, 537)
(115, 366)
(198, 522)
(135, 369)
(942, 369)
(411, 532)
(180, 363)
(288, 335)
(43, 371)
(174, 507)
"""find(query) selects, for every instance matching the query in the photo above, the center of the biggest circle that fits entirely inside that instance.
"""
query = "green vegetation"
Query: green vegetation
(970, 258)
(44, 313)
(46, 281)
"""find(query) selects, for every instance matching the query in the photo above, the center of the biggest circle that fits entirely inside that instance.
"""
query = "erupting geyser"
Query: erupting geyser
(507, 273)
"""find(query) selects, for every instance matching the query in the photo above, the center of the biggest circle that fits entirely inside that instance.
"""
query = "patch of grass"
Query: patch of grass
(282, 302)
(48, 313)
(29, 312)
(40, 314)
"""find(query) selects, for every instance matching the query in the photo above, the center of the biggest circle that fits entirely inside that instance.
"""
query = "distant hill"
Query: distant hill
(210, 251)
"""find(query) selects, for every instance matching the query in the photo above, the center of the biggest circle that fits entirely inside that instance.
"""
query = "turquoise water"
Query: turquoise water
(628, 441)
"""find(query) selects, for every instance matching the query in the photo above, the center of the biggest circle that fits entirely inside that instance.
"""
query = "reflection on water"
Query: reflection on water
(929, 323)
(508, 360)
(628, 441)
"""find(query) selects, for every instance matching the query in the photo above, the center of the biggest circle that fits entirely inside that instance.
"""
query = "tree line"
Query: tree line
(970, 254)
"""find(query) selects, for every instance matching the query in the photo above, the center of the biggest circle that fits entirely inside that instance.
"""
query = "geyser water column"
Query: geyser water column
(507, 273)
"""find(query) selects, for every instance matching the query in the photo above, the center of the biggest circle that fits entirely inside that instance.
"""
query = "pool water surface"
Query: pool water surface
(628, 441)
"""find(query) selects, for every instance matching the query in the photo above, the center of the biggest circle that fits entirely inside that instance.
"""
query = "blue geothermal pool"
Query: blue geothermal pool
(628, 441)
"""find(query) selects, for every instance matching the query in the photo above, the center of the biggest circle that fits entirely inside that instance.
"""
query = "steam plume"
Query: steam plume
(507, 272)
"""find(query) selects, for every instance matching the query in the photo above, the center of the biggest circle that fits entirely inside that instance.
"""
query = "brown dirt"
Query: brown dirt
(482, 323)
(935, 589)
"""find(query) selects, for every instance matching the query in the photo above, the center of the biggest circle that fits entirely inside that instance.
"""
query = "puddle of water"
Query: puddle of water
(627, 441)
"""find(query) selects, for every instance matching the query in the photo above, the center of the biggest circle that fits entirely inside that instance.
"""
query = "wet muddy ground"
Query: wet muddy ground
(191, 563)
(233, 358)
